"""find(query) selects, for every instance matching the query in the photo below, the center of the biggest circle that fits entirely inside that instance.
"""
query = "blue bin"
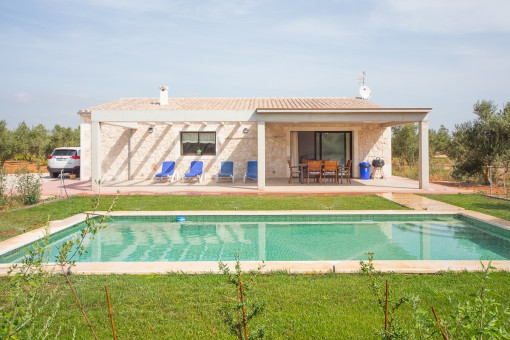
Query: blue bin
(364, 170)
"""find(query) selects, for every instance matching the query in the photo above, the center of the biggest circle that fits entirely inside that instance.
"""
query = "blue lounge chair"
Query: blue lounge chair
(251, 171)
(195, 171)
(167, 171)
(226, 171)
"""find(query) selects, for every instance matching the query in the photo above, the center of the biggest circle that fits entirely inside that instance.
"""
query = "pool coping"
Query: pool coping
(201, 267)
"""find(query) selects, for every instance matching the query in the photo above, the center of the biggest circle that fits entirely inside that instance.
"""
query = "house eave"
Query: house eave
(344, 110)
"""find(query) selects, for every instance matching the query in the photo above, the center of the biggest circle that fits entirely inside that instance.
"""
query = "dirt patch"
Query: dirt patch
(485, 189)
(8, 233)
(13, 166)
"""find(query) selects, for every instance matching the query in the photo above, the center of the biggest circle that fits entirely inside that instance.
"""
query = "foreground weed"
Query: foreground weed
(69, 252)
(392, 329)
(477, 319)
(481, 318)
(238, 316)
(29, 295)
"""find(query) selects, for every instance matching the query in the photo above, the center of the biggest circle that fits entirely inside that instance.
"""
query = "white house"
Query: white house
(129, 138)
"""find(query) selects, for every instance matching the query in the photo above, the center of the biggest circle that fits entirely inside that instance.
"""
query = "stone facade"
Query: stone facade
(373, 142)
(235, 141)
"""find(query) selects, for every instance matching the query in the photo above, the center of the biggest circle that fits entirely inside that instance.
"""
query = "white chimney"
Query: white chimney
(163, 95)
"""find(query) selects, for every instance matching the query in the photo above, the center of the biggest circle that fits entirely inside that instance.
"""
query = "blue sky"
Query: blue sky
(60, 56)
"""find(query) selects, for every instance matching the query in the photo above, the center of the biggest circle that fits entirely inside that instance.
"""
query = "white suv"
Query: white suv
(65, 160)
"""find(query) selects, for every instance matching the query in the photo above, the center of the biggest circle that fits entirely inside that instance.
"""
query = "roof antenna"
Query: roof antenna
(364, 90)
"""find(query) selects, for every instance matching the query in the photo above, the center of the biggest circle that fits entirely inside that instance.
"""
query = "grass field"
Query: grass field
(178, 306)
(16, 222)
(487, 205)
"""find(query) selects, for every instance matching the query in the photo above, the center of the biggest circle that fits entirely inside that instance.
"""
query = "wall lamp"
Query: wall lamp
(245, 130)
(151, 129)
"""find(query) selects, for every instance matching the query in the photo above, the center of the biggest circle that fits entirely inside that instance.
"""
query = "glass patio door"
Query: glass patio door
(333, 146)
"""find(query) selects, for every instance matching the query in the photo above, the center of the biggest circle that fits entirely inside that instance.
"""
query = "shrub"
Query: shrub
(3, 186)
(28, 187)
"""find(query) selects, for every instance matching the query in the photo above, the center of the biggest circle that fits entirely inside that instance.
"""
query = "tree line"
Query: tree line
(473, 145)
(34, 143)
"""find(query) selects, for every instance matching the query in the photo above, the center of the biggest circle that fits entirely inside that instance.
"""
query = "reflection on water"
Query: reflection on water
(138, 240)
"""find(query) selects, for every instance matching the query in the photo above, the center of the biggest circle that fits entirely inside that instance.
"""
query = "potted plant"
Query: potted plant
(199, 152)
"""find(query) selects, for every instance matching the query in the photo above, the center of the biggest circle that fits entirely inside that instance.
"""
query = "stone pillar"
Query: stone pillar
(95, 151)
(261, 155)
(85, 147)
(423, 128)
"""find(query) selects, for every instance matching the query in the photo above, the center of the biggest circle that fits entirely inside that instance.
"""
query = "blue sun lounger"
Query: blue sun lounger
(251, 171)
(195, 171)
(167, 171)
(226, 171)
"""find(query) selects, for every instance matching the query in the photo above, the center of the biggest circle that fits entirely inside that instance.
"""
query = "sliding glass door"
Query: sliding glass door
(325, 145)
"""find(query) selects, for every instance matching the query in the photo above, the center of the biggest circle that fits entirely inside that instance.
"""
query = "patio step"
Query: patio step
(416, 202)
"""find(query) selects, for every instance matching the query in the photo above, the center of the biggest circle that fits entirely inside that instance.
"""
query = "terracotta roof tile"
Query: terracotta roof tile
(236, 104)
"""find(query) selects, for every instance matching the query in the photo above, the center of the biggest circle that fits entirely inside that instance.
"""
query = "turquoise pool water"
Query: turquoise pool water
(290, 238)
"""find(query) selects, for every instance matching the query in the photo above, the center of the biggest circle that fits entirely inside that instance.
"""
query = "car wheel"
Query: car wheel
(53, 174)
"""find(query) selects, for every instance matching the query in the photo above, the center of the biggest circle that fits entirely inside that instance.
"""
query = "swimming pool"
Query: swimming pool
(289, 238)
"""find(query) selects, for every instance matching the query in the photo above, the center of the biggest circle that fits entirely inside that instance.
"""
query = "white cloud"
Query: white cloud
(205, 10)
(22, 97)
(445, 17)
(314, 27)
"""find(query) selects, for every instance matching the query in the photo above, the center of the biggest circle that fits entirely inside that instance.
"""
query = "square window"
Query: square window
(198, 143)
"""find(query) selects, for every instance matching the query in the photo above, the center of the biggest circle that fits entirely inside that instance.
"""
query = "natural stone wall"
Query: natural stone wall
(149, 150)
(114, 152)
(276, 151)
(375, 142)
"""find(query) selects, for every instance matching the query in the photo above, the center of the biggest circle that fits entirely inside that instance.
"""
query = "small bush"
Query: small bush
(3, 186)
(28, 187)
(439, 169)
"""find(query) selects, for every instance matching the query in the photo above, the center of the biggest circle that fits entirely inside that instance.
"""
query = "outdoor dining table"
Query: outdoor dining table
(303, 166)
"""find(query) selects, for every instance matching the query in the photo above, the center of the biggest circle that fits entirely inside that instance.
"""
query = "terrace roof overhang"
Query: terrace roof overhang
(384, 117)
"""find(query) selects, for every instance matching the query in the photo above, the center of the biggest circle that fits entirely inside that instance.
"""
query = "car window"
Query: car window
(64, 153)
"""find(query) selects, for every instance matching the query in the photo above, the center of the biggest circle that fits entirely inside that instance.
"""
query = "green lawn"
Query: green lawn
(16, 222)
(178, 306)
(476, 202)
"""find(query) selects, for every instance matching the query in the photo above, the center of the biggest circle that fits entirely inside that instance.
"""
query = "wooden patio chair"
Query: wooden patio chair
(314, 170)
(331, 170)
(346, 171)
(294, 170)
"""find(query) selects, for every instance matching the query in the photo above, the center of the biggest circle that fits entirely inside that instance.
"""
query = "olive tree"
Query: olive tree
(63, 136)
(404, 143)
(22, 140)
(482, 142)
(6, 143)
(439, 141)
(39, 141)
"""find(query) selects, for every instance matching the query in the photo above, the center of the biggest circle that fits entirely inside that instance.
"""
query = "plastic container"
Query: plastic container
(364, 170)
